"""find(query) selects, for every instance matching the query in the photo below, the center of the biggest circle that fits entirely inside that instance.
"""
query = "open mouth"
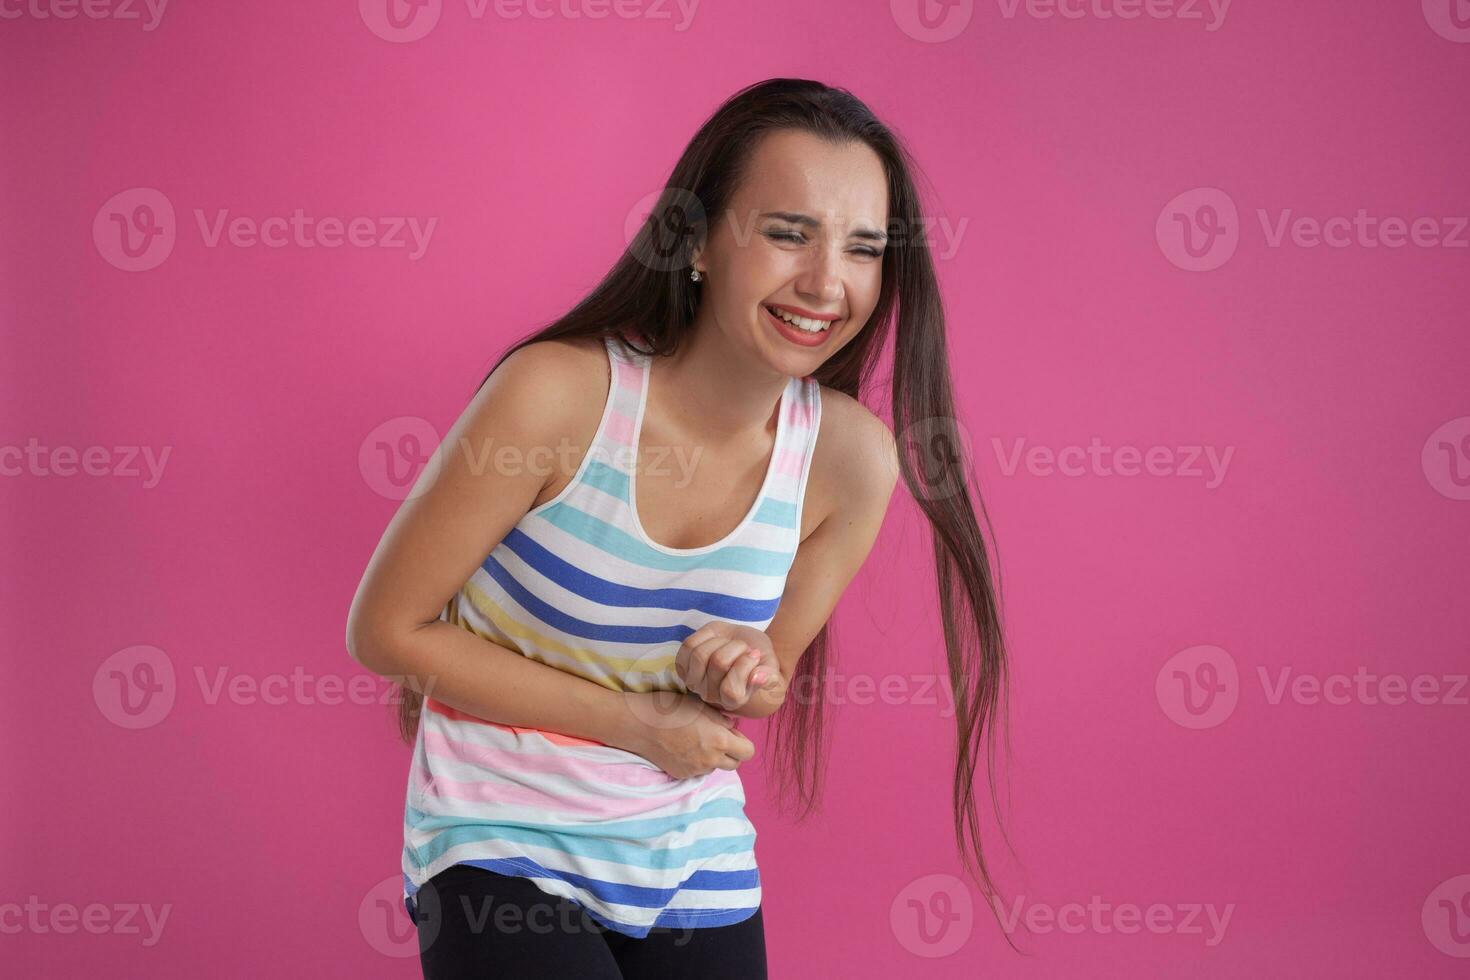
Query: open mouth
(799, 329)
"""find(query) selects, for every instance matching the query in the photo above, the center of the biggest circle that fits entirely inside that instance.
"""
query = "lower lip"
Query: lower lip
(795, 334)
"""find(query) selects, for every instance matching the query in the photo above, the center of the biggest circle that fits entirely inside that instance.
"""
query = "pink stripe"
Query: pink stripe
(619, 427)
(555, 801)
(789, 463)
(628, 376)
(801, 414)
(490, 757)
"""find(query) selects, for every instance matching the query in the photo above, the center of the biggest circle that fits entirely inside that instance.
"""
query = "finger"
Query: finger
(727, 720)
(713, 657)
(696, 664)
(739, 746)
(721, 662)
(736, 686)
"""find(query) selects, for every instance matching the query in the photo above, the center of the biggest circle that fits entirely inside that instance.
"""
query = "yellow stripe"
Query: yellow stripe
(529, 642)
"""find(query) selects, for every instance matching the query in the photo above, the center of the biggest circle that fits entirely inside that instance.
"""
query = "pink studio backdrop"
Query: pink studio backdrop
(1239, 738)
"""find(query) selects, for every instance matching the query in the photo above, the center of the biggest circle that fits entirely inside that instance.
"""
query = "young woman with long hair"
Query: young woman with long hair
(578, 638)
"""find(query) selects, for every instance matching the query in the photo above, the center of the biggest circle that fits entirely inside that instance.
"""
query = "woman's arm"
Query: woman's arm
(486, 477)
(856, 453)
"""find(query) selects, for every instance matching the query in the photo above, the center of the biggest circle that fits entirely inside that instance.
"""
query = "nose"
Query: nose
(821, 279)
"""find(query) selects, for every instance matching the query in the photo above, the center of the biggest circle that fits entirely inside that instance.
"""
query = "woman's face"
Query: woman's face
(805, 233)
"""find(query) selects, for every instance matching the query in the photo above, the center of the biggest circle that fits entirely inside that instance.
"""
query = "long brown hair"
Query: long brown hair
(650, 290)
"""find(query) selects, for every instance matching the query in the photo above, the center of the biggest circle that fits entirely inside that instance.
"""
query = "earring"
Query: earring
(694, 275)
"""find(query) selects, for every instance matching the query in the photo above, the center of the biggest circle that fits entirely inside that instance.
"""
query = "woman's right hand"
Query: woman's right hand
(683, 735)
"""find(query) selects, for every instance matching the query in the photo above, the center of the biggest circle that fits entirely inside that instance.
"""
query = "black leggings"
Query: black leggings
(476, 923)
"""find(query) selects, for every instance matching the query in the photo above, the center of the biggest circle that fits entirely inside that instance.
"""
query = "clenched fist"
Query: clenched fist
(726, 663)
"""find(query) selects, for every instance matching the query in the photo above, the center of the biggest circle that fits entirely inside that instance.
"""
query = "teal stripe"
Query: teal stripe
(608, 538)
(614, 482)
(632, 854)
(778, 513)
(608, 479)
(646, 827)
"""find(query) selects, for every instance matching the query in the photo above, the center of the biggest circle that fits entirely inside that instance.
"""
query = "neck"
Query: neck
(716, 391)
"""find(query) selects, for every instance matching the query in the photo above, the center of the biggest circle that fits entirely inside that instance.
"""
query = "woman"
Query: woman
(587, 630)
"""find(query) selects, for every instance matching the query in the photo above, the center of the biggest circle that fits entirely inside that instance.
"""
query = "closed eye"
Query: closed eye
(793, 236)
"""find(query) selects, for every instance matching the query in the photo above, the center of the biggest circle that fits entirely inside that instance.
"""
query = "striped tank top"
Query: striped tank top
(579, 585)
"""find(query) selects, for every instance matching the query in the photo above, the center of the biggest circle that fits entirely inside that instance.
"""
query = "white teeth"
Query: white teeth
(805, 323)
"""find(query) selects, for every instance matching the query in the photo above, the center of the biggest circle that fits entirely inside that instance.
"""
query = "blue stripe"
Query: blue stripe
(552, 616)
(632, 854)
(617, 893)
(607, 593)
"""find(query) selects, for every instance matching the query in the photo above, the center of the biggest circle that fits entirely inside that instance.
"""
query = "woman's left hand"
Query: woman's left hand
(726, 663)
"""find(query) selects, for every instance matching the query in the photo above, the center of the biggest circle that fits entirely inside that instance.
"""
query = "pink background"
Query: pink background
(1335, 543)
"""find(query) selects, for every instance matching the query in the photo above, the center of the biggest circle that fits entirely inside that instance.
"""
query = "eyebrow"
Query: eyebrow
(807, 221)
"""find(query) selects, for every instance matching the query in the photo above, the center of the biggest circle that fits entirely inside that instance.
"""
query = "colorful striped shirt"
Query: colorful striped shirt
(578, 584)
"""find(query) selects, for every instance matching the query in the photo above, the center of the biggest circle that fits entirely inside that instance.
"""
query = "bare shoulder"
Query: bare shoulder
(855, 464)
(557, 370)
(549, 393)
